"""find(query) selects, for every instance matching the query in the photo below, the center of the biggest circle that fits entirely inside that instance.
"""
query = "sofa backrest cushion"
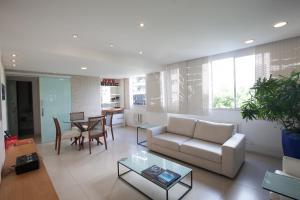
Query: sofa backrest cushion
(181, 126)
(213, 132)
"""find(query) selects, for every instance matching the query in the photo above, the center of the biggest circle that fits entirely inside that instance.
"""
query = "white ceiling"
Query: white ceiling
(40, 32)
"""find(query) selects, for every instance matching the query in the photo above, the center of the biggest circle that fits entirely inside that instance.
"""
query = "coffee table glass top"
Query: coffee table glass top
(142, 160)
(284, 185)
(146, 125)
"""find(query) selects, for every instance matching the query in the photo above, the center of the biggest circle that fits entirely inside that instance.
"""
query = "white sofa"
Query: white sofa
(290, 167)
(209, 145)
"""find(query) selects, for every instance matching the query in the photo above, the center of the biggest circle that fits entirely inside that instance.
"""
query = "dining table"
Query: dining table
(80, 124)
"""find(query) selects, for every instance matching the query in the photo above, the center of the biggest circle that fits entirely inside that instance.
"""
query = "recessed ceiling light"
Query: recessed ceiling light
(75, 36)
(13, 55)
(140, 52)
(249, 41)
(83, 68)
(111, 45)
(13, 60)
(142, 24)
(14, 65)
(280, 24)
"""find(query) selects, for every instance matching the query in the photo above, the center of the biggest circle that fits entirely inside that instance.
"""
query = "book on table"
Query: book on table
(163, 177)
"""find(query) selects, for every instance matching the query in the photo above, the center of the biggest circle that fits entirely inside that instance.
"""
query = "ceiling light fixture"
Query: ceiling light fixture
(140, 52)
(14, 65)
(75, 36)
(142, 25)
(249, 41)
(280, 24)
(13, 55)
(83, 68)
(13, 60)
(111, 45)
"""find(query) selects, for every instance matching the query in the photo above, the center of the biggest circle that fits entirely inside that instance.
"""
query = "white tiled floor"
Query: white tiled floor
(79, 175)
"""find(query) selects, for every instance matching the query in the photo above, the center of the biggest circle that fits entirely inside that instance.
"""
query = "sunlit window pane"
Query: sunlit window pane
(245, 77)
(138, 90)
(223, 83)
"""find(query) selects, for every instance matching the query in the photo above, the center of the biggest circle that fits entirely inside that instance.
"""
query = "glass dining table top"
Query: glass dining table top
(85, 120)
(76, 121)
(283, 185)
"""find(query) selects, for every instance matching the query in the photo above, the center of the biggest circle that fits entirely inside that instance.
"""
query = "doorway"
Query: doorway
(20, 108)
(24, 109)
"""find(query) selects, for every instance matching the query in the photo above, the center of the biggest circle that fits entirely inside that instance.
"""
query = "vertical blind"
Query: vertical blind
(184, 87)
(153, 92)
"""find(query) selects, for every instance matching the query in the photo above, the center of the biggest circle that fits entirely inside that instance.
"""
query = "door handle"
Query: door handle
(42, 112)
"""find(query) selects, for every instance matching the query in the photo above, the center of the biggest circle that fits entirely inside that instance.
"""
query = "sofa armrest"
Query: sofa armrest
(152, 132)
(233, 154)
(291, 166)
(156, 131)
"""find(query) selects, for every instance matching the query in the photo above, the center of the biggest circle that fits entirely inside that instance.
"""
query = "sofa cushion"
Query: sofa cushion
(206, 150)
(181, 126)
(169, 140)
(213, 132)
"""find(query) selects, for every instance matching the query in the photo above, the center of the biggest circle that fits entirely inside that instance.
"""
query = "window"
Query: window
(244, 77)
(232, 78)
(138, 90)
(223, 83)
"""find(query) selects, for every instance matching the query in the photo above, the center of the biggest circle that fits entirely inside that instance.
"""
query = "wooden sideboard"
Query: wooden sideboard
(34, 185)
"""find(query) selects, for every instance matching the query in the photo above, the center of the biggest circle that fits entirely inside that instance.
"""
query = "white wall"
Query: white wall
(262, 136)
(86, 95)
(3, 121)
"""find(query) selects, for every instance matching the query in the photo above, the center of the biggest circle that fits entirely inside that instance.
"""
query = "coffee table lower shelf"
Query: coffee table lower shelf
(189, 187)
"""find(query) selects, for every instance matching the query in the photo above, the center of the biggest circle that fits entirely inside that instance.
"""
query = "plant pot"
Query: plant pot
(291, 144)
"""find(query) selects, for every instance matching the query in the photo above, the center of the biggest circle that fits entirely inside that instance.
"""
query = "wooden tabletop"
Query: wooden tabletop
(34, 185)
(114, 110)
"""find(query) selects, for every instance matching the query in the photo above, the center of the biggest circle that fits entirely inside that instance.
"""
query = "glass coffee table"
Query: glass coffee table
(142, 160)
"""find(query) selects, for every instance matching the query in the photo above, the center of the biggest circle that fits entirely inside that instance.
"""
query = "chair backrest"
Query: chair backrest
(57, 126)
(76, 116)
(97, 123)
(109, 117)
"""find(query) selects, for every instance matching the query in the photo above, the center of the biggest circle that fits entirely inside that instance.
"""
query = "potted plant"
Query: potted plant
(278, 99)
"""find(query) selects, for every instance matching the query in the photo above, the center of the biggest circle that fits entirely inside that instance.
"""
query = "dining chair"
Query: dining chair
(77, 116)
(96, 129)
(69, 134)
(109, 122)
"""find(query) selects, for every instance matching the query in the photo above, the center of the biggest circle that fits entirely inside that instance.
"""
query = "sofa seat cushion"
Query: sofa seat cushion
(169, 140)
(213, 132)
(206, 150)
(181, 126)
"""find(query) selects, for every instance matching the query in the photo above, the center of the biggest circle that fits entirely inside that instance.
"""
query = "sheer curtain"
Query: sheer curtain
(277, 58)
(198, 86)
(154, 95)
(187, 87)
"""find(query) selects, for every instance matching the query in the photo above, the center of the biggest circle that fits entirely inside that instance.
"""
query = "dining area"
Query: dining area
(85, 129)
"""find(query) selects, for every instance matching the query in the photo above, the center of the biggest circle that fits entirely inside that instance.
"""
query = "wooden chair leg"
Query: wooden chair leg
(59, 143)
(104, 138)
(55, 142)
(112, 132)
(90, 145)
(79, 144)
(82, 143)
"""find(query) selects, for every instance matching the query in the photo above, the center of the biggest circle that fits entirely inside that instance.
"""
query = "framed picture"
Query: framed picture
(3, 91)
